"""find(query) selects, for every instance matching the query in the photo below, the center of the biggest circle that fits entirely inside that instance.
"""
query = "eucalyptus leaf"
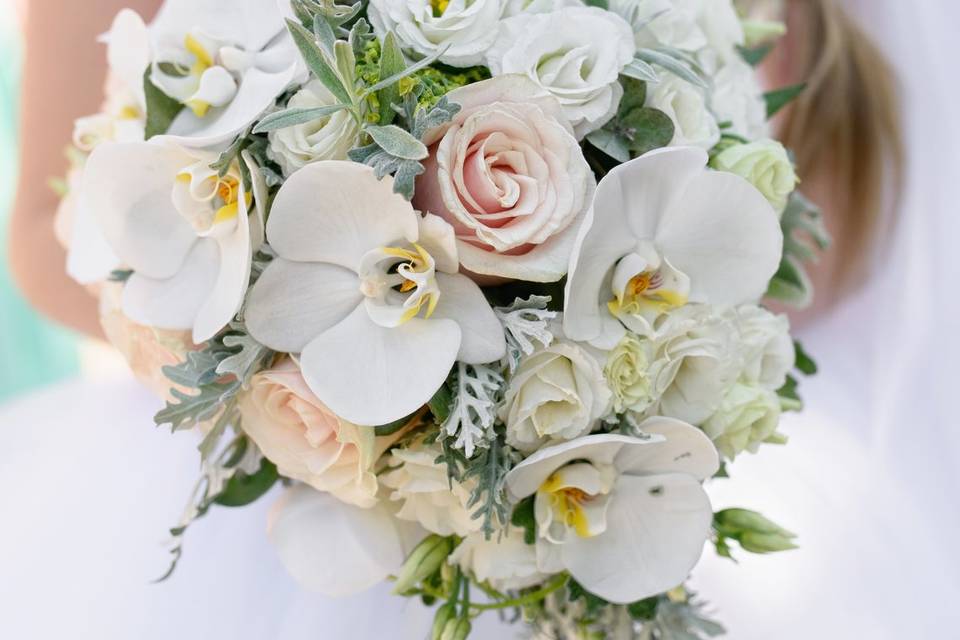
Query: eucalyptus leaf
(779, 98)
(634, 95)
(294, 116)
(243, 489)
(754, 56)
(646, 129)
(318, 62)
(398, 142)
(611, 143)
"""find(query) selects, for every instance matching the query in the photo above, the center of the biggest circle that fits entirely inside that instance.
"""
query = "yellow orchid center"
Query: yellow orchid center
(645, 293)
(416, 277)
(203, 61)
(439, 6)
(567, 504)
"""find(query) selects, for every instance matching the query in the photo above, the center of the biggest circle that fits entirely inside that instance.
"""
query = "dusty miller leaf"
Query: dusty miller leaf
(473, 411)
(525, 322)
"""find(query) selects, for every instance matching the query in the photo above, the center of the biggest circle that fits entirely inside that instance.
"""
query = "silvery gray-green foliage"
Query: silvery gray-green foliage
(473, 409)
(804, 236)
(525, 323)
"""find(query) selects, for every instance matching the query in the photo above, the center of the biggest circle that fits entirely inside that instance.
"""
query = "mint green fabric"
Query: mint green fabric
(32, 351)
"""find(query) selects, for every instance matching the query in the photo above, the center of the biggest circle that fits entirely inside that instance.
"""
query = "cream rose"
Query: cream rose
(747, 417)
(575, 53)
(628, 372)
(766, 346)
(306, 440)
(737, 98)
(764, 164)
(464, 29)
(557, 393)
(326, 138)
(510, 177)
(421, 484)
(686, 106)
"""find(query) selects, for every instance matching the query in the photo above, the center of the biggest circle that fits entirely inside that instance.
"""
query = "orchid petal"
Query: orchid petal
(128, 51)
(250, 23)
(656, 527)
(89, 258)
(482, 334)
(174, 303)
(332, 547)
(293, 302)
(685, 449)
(335, 211)
(724, 235)
(525, 478)
(232, 279)
(440, 241)
(372, 375)
(127, 186)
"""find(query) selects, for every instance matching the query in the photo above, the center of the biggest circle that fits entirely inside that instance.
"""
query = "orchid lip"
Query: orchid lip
(399, 284)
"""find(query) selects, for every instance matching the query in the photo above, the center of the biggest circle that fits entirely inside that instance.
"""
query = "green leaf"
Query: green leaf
(173, 69)
(804, 362)
(421, 64)
(161, 108)
(645, 609)
(523, 516)
(391, 428)
(674, 63)
(646, 129)
(756, 55)
(318, 62)
(243, 489)
(398, 142)
(441, 403)
(391, 64)
(779, 98)
(602, 4)
(614, 144)
(790, 284)
(197, 369)
(324, 34)
(634, 95)
(576, 591)
(188, 410)
(294, 116)
(640, 70)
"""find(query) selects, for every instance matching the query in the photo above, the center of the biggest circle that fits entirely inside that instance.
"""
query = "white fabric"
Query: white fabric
(869, 478)
(90, 488)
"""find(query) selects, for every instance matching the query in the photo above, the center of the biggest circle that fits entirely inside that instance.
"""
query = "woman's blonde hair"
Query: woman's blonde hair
(844, 129)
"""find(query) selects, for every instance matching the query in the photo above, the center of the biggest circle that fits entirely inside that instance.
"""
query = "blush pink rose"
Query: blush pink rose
(306, 440)
(508, 174)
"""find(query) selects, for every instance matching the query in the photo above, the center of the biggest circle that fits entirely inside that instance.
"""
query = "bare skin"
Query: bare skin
(63, 78)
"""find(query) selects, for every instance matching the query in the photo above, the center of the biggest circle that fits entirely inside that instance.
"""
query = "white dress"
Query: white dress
(88, 486)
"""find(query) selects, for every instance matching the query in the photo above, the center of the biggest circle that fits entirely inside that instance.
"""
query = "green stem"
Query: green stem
(530, 598)
(465, 601)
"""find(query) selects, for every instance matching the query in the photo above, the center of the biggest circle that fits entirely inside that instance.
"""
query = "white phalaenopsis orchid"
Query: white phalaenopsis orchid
(226, 66)
(663, 231)
(626, 516)
(367, 291)
(187, 233)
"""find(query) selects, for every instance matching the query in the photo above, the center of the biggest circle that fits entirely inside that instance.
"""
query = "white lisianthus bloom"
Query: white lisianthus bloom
(557, 393)
(765, 345)
(737, 98)
(663, 231)
(629, 373)
(463, 29)
(626, 516)
(516, 7)
(689, 25)
(695, 362)
(423, 487)
(367, 291)
(506, 563)
(765, 164)
(226, 65)
(335, 548)
(747, 417)
(575, 53)
(510, 177)
(326, 138)
(686, 106)
(187, 233)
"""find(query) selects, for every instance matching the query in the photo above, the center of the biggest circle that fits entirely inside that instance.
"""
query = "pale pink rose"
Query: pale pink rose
(509, 175)
(146, 349)
(306, 440)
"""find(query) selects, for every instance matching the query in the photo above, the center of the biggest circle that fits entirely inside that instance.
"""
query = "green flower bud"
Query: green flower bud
(422, 562)
(456, 629)
(744, 520)
(757, 32)
(440, 620)
(764, 164)
(765, 542)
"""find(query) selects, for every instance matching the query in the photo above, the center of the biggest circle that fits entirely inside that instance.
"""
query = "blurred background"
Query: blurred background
(33, 351)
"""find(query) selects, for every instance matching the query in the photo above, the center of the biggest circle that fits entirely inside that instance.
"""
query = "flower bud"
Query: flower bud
(423, 561)
(456, 629)
(765, 542)
(444, 615)
(744, 520)
(764, 164)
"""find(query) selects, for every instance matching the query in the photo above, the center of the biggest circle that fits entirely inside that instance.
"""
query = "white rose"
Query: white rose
(628, 373)
(686, 106)
(326, 138)
(766, 346)
(764, 164)
(575, 53)
(507, 563)
(466, 28)
(747, 417)
(424, 489)
(737, 98)
(695, 363)
(556, 393)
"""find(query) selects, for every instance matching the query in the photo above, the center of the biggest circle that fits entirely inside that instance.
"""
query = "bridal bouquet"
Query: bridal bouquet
(476, 284)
